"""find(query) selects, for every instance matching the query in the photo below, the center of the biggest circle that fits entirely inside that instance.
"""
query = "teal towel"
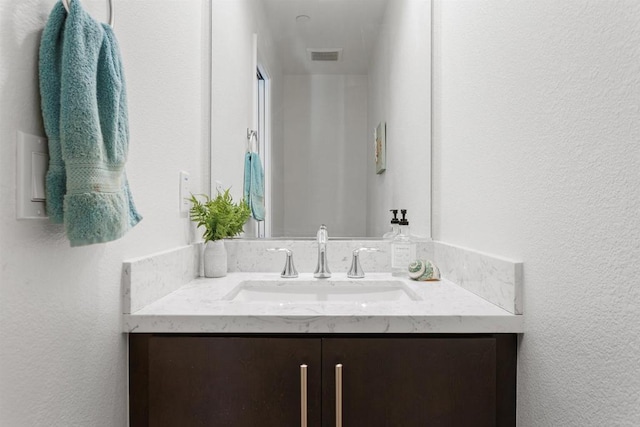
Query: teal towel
(90, 181)
(254, 185)
(50, 77)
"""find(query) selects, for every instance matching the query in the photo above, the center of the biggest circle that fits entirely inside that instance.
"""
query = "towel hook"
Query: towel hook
(112, 17)
(252, 135)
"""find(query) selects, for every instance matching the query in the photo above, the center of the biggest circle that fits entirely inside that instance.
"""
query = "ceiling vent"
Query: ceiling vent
(324, 54)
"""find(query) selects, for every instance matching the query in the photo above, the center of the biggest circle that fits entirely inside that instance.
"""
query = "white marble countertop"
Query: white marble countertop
(200, 307)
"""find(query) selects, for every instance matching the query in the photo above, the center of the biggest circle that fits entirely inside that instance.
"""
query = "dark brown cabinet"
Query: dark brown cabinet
(382, 380)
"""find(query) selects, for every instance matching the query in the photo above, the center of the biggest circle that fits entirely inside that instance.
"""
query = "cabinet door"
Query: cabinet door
(223, 381)
(409, 382)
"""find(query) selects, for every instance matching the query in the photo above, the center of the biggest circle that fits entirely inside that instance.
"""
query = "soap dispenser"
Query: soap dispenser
(403, 248)
(395, 227)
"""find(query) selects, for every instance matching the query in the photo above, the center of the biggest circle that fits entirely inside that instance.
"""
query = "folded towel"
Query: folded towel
(254, 185)
(93, 128)
(50, 77)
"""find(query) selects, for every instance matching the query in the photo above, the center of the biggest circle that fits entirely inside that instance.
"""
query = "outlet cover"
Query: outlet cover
(185, 192)
(33, 162)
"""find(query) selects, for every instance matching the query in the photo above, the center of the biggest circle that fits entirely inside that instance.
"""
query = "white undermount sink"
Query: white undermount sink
(321, 290)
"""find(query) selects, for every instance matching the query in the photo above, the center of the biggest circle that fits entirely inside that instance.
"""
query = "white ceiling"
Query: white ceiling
(352, 25)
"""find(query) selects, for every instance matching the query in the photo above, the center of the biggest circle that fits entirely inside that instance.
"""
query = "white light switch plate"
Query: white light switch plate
(33, 162)
(185, 192)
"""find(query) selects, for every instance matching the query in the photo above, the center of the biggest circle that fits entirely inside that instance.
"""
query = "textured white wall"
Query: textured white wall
(62, 353)
(536, 157)
(400, 95)
(325, 156)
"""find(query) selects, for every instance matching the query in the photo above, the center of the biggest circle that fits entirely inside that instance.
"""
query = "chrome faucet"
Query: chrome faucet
(322, 270)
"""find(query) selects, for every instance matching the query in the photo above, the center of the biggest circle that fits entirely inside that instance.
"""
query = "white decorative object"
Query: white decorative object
(423, 270)
(215, 259)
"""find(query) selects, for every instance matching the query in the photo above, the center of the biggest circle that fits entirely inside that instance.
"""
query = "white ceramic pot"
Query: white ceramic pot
(215, 259)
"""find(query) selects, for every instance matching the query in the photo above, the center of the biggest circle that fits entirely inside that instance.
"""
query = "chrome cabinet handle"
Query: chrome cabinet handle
(339, 395)
(303, 395)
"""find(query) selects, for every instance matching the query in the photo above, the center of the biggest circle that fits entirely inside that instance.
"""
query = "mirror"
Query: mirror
(339, 94)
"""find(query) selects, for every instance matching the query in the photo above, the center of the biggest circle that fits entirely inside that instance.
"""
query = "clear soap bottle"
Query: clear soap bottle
(395, 226)
(403, 248)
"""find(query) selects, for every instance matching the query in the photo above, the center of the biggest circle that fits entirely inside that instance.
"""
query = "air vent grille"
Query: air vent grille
(324, 54)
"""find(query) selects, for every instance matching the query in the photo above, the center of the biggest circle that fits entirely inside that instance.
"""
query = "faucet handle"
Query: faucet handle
(355, 272)
(289, 271)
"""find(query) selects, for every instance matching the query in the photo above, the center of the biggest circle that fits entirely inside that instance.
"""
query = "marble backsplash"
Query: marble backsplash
(147, 279)
(495, 279)
(252, 255)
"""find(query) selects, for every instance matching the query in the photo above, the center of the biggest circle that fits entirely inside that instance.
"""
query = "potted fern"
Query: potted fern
(221, 219)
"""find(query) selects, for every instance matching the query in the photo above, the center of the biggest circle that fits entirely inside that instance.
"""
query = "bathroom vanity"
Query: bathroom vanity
(253, 349)
(345, 379)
